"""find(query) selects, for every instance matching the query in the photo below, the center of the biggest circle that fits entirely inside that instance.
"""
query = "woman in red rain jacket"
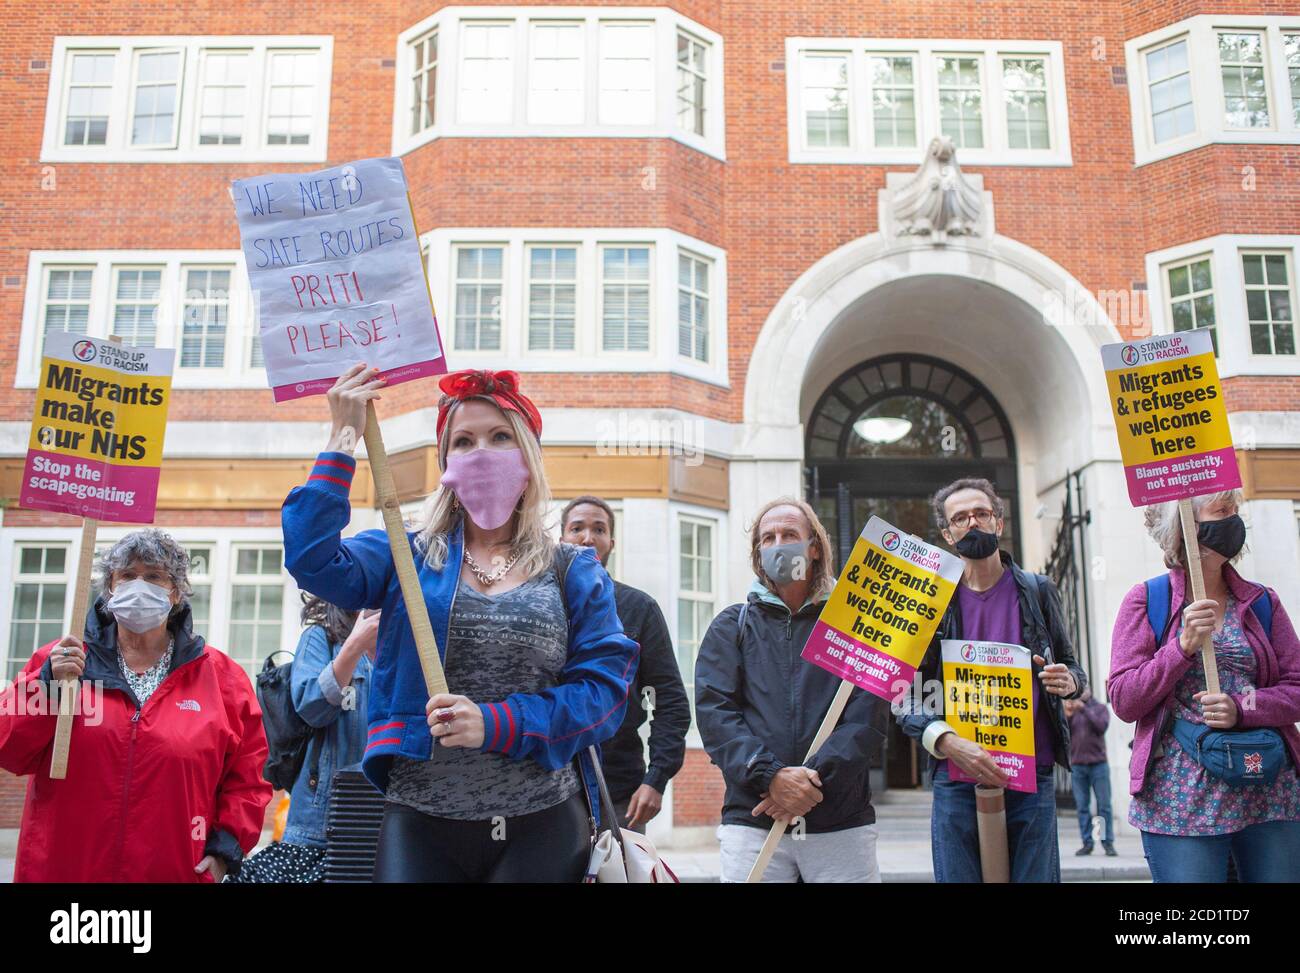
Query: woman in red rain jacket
(164, 780)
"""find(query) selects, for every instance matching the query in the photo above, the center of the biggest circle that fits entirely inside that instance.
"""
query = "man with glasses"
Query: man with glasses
(996, 601)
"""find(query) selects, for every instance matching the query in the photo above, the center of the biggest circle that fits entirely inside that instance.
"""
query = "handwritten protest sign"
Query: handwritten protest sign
(989, 700)
(334, 264)
(1170, 416)
(884, 609)
(97, 434)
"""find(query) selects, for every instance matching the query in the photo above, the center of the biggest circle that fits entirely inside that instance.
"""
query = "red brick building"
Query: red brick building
(689, 227)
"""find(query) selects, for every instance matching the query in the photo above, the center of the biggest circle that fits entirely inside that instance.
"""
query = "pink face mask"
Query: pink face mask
(488, 482)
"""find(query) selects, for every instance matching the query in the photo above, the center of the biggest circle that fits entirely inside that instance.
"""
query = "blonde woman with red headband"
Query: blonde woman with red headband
(481, 782)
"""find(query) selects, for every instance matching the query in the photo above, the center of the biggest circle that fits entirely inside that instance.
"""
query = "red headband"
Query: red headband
(501, 387)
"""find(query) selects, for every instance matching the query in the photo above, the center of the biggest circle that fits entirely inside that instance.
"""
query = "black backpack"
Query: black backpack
(288, 735)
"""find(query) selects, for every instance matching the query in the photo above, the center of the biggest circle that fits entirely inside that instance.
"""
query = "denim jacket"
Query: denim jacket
(320, 701)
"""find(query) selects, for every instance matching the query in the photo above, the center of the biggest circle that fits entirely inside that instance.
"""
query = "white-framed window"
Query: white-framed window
(961, 100)
(1270, 301)
(1169, 91)
(692, 83)
(224, 97)
(627, 88)
(291, 98)
(194, 301)
(882, 100)
(205, 315)
(892, 77)
(692, 306)
(826, 99)
(155, 98)
(1190, 286)
(555, 73)
(137, 293)
(256, 604)
(424, 81)
(1245, 79)
(552, 297)
(486, 84)
(201, 583)
(188, 99)
(697, 591)
(66, 304)
(559, 72)
(625, 298)
(242, 597)
(1211, 79)
(1291, 51)
(582, 299)
(1240, 285)
(89, 98)
(480, 275)
(1024, 90)
(40, 591)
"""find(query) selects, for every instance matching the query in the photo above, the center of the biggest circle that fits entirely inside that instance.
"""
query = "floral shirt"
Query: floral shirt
(1180, 797)
(144, 683)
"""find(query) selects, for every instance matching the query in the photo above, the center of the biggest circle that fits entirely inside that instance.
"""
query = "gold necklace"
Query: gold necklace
(495, 576)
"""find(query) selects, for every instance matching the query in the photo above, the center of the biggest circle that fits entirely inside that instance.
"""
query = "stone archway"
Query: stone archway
(1007, 314)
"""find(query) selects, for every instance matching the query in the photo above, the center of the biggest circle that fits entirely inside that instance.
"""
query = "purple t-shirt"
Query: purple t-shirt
(994, 616)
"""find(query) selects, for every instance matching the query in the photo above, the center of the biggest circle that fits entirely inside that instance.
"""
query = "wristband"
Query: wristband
(930, 738)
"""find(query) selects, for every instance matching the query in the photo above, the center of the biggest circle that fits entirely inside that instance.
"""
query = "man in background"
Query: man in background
(1089, 770)
(636, 790)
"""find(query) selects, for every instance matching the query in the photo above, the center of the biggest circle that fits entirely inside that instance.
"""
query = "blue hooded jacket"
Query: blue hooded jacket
(551, 727)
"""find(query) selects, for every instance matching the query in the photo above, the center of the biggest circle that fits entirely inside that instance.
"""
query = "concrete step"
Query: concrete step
(903, 848)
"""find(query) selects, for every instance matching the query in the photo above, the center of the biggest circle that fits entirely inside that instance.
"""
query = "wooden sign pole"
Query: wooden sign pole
(68, 688)
(416, 609)
(778, 827)
(1193, 548)
(435, 680)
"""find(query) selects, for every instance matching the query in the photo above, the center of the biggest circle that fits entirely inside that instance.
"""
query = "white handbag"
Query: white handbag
(619, 856)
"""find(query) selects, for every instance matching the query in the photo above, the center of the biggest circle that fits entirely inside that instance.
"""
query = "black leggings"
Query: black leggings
(552, 845)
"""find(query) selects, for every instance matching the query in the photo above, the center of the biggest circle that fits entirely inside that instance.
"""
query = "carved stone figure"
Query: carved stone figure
(937, 202)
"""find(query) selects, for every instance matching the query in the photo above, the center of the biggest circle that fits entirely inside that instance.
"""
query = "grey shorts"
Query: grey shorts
(838, 856)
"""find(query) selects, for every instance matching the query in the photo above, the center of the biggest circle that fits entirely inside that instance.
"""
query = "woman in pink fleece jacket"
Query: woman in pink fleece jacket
(1190, 820)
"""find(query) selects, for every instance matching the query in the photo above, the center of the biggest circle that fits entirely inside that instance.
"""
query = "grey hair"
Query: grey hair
(1165, 526)
(148, 546)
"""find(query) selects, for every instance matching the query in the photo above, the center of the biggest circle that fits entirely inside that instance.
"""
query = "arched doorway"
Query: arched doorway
(881, 440)
(889, 432)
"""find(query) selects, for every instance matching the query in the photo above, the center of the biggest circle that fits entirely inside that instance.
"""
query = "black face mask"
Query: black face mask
(1226, 536)
(977, 544)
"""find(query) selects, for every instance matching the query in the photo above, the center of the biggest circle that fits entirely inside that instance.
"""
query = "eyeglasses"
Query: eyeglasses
(963, 519)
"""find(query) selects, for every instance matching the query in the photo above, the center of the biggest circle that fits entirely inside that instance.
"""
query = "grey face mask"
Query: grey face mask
(139, 605)
(783, 563)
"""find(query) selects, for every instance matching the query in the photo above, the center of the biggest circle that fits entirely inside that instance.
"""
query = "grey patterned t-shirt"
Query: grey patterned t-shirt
(515, 642)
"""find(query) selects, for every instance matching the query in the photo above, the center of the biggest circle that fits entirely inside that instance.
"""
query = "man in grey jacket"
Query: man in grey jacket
(758, 706)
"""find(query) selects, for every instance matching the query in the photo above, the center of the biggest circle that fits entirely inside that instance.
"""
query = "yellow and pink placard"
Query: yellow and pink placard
(989, 699)
(1170, 417)
(97, 435)
(884, 610)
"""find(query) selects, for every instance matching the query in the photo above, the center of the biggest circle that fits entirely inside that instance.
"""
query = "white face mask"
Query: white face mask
(139, 605)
